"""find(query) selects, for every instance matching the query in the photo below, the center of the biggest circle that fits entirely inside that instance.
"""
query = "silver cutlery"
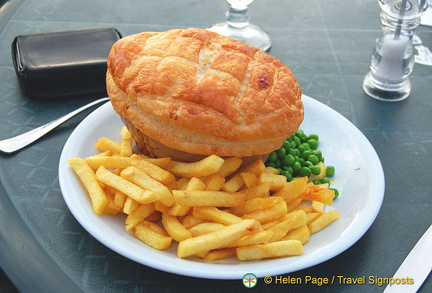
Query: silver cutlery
(19, 142)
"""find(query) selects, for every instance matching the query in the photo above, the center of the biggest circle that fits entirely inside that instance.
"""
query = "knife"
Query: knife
(417, 266)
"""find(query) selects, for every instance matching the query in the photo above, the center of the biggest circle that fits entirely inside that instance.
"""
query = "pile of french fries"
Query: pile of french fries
(214, 208)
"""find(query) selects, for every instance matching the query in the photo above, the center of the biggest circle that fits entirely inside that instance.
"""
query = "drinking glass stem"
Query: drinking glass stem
(238, 18)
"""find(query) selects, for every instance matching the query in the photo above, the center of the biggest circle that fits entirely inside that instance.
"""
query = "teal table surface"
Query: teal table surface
(327, 45)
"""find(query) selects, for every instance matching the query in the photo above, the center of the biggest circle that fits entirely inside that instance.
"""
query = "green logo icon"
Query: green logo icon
(249, 280)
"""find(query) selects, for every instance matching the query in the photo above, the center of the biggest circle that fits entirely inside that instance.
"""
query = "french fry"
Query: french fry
(317, 206)
(297, 218)
(220, 254)
(130, 205)
(120, 199)
(88, 178)
(204, 228)
(323, 221)
(152, 235)
(292, 189)
(260, 190)
(105, 144)
(268, 225)
(126, 142)
(181, 210)
(111, 209)
(233, 184)
(141, 179)
(182, 183)
(139, 214)
(160, 162)
(174, 228)
(230, 166)
(310, 217)
(217, 239)
(216, 215)
(252, 239)
(161, 207)
(154, 171)
(302, 207)
(315, 193)
(108, 162)
(214, 181)
(105, 154)
(202, 198)
(269, 214)
(276, 181)
(280, 230)
(293, 204)
(256, 167)
(301, 234)
(204, 167)
(195, 184)
(255, 204)
(249, 179)
(128, 188)
(190, 221)
(270, 250)
(271, 170)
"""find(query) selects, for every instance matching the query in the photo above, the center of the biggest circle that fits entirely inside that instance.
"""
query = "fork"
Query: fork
(19, 142)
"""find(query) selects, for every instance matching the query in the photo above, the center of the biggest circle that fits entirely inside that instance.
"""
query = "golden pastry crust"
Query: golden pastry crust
(199, 92)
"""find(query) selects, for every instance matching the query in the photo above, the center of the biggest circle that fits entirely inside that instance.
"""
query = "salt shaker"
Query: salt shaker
(392, 59)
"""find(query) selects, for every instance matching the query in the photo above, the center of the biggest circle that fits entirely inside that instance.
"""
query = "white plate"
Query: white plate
(359, 178)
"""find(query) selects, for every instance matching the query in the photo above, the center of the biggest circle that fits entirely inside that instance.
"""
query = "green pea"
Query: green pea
(272, 157)
(271, 164)
(301, 161)
(336, 192)
(301, 149)
(299, 132)
(297, 141)
(287, 174)
(289, 160)
(325, 180)
(317, 153)
(304, 138)
(330, 171)
(286, 145)
(281, 152)
(288, 168)
(307, 164)
(296, 167)
(305, 171)
(316, 182)
(313, 143)
(316, 170)
(313, 159)
(306, 154)
(292, 151)
(314, 136)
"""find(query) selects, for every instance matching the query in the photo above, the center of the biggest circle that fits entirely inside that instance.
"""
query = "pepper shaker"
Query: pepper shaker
(392, 59)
